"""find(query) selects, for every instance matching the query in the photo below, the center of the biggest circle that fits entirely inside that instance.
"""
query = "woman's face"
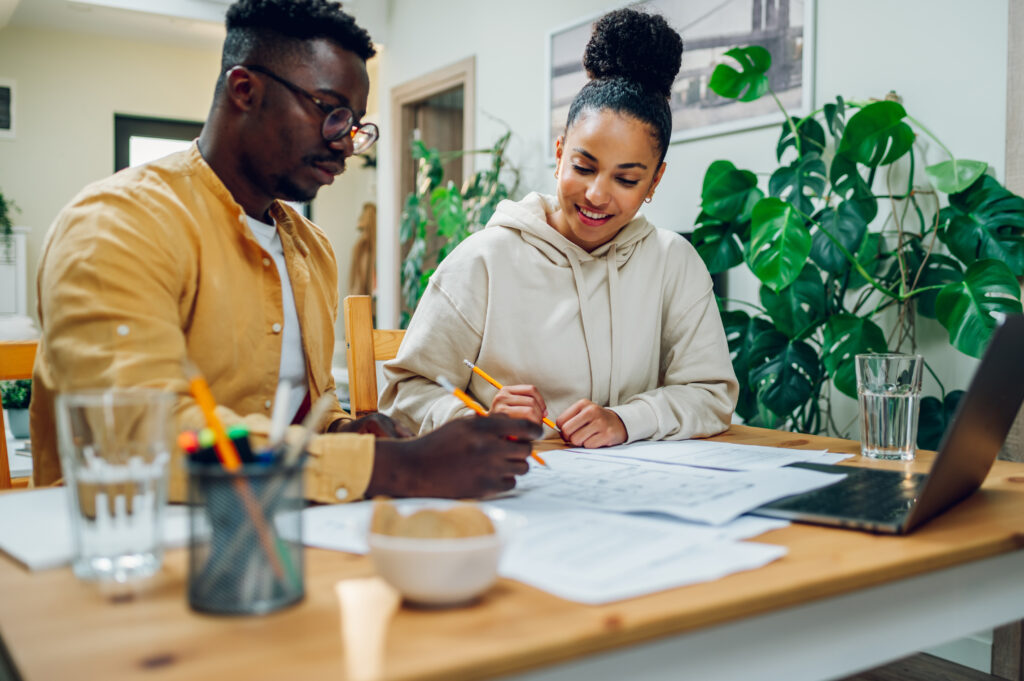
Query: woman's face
(607, 166)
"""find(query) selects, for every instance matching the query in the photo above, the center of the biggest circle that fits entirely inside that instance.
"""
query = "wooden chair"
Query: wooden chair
(366, 346)
(16, 360)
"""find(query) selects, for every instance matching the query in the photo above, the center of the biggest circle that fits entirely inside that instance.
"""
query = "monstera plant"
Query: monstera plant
(438, 215)
(850, 242)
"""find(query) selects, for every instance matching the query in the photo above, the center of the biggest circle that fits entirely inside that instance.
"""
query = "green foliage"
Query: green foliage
(7, 210)
(838, 259)
(16, 394)
(438, 215)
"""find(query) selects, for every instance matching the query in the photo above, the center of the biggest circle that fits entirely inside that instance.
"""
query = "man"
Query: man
(195, 258)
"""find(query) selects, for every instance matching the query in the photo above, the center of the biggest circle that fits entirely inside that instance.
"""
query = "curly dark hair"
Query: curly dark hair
(270, 31)
(632, 59)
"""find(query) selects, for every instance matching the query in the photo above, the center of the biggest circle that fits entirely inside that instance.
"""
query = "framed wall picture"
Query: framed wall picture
(6, 108)
(709, 28)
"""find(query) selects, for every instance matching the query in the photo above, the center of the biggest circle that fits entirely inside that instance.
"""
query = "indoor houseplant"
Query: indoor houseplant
(850, 243)
(15, 396)
(438, 215)
(7, 210)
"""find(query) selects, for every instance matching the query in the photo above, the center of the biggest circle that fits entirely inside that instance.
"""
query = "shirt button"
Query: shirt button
(266, 262)
(276, 327)
(267, 404)
(341, 494)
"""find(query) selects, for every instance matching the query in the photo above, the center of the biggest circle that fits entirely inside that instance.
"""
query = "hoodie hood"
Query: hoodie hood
(529, 218)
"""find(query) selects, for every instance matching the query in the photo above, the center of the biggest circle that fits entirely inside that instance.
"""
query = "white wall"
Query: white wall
(946, 58)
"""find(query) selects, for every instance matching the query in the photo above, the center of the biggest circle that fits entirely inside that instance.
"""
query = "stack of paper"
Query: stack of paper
(604, 525)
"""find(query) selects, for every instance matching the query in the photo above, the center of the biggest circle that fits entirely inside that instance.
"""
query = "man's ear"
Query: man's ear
(242, 89)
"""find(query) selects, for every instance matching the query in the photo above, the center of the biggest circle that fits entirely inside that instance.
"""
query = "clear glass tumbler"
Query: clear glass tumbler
(115, 447)
(889, 390)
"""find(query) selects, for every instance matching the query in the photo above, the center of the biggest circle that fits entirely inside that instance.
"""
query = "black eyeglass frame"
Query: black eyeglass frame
(367, 130)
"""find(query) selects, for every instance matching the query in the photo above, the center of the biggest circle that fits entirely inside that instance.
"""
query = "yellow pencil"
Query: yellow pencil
(484, 375)
(475, 406)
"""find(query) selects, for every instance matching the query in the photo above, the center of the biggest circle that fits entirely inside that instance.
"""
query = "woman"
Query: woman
(578, 304)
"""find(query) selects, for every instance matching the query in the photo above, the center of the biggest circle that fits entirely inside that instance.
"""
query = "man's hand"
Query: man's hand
(373, 424)
(585, 424)
(470, 457)
(520, 402)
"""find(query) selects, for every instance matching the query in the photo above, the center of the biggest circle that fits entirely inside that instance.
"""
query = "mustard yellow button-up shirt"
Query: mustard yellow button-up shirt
(156, 264)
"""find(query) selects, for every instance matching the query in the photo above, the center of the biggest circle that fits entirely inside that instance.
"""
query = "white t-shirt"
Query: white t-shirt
(293, 358)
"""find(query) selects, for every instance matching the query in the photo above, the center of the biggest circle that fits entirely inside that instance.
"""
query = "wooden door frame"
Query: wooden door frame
(423, 87)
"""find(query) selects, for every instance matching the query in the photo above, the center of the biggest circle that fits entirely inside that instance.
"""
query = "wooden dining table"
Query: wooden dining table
(837, 602)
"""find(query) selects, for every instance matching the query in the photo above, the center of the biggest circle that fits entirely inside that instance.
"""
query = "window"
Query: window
(140, 140)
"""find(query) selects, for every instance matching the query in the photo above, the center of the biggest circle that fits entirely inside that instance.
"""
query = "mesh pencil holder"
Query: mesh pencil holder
(245, 538)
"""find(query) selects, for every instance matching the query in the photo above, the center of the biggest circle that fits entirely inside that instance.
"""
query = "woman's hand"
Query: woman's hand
(585, 424)
(520, 402)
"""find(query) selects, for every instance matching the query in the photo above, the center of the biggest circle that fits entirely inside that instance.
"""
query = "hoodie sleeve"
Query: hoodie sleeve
(698, 387)
(439, 335)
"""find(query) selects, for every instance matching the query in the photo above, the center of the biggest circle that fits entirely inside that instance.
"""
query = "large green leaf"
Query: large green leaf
(847, 225)
(846, 178)
(779, 243)
(955, 175)
(799, 182)
(782, 371)
(876, 135)
(845, 336)
(871, 257)
(939, 270)
(720, 244)
(810, 134)
(797, 309)
(740, 330)
(835, 117)
(985, 221)
(750, 81)
(446, 204)
(729, 193)
(934, 417)
(966, 308)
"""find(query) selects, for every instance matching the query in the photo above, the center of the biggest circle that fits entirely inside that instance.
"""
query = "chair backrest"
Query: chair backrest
(366, 346)
(16, 360)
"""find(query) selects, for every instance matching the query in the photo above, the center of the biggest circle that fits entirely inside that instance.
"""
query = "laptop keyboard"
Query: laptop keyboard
(869, 494)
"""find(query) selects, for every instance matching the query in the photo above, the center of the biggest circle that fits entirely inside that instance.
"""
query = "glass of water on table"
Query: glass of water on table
(115, 449)
(889, 391)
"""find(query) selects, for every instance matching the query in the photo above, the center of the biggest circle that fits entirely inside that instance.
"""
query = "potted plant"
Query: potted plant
(851, 237)
(15, 396)
(441, 210)
(7, 210)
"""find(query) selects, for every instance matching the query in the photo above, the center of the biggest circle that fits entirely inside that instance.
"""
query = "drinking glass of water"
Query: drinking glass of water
(115, 447)
(889, 389)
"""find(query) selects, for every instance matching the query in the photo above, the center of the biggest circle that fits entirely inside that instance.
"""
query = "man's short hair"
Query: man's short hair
(271, 31)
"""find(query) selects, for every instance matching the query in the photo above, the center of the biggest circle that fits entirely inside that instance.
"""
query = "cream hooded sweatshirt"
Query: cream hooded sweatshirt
(631, 325)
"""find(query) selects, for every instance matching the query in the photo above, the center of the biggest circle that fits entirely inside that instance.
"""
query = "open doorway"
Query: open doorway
(437, 109)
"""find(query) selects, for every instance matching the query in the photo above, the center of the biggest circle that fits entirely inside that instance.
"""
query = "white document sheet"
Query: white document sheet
(720, 455)
(591, 480)
(36, 530)
(587, 556)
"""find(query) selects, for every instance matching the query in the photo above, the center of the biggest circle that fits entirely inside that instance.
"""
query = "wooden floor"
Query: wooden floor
(922, 667)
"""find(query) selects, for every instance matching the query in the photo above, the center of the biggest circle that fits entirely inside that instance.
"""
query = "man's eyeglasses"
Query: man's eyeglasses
(338, 122)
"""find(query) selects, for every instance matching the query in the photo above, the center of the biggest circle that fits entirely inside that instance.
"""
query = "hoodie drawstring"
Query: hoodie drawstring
(577, 278)
(613, 308)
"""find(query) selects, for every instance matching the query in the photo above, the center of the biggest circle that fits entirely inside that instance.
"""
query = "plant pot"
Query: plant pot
(18, 423)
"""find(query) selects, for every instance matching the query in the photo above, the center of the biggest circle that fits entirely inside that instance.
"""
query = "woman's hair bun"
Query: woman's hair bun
(635, 45)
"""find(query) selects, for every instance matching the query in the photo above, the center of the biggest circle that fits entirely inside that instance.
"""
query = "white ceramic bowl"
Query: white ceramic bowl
(440, 571)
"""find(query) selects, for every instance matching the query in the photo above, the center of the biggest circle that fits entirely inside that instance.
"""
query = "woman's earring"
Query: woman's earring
(649, 199)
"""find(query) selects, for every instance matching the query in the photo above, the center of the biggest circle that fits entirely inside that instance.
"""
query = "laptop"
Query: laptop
(893, 502)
